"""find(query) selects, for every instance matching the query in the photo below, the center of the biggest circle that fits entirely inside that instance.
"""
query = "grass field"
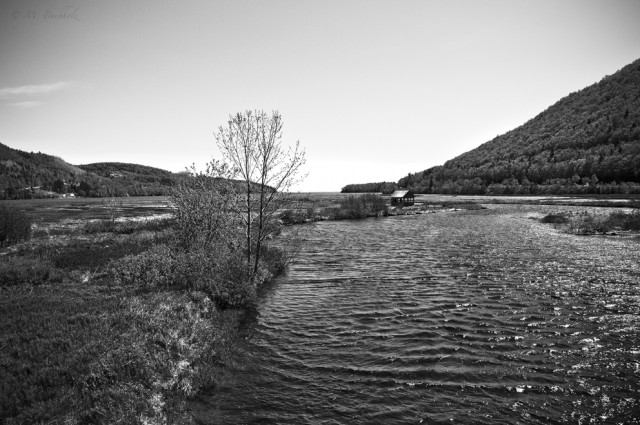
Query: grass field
(79, 346)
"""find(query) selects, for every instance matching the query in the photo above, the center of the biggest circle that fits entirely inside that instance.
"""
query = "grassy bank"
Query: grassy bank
(111, 321)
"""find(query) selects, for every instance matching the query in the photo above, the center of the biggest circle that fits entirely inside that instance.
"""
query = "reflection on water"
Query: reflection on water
(464, 317)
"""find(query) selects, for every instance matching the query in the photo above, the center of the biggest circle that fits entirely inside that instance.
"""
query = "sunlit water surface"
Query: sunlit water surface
(461, 317)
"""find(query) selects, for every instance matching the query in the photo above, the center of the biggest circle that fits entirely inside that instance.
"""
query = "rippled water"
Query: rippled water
(462, 317)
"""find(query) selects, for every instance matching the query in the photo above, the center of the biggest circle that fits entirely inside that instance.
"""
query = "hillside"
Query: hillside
(588, 142)
(28, 175)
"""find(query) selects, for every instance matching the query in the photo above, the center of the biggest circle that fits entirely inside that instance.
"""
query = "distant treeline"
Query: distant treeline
(382, 187)
(588, 142)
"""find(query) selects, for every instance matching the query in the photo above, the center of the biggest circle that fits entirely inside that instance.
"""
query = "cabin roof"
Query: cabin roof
(402, 194)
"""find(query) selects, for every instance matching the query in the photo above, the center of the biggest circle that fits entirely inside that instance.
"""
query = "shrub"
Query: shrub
(587, 225)
(204, 209)
(98, 226)
(152, 269)
(624, 221)
(15, 226)
(555, 219)
(222, 276)
(367, 205)
(275, 260)
(17, 270)
(296, 216)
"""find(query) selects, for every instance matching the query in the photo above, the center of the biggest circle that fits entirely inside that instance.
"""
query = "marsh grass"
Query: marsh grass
(101, 354)
(49, 334)
(117, 325)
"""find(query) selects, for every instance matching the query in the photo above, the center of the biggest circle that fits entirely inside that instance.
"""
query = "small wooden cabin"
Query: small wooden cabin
(402, 198)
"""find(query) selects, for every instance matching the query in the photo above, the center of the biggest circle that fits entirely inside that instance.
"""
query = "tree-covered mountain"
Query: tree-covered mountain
(588, 142)
(28, 174)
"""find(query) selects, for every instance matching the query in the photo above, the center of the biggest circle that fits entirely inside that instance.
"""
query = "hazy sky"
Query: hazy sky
(372, 89)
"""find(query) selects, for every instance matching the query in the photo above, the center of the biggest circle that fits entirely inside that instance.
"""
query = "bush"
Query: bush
(296, 216)
(15, 226)
(152, 269)
(223, 277)
(17, 270)
(587, 224)
(367, 205)
(625, 221)
(204, 209)
(275, 260)
(99, 226)
(554, 218)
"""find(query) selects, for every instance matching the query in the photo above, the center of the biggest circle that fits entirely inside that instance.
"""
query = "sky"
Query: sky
(372, 89)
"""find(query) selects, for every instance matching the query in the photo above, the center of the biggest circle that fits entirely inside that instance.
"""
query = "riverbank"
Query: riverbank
(102, 320)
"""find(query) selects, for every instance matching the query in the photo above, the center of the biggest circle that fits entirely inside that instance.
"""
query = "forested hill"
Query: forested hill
(588, 142)
(28, 175)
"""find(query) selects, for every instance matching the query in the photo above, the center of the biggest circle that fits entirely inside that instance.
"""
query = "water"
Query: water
(462, 317)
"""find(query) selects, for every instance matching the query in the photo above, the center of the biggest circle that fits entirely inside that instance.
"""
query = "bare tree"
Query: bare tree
(252, 145)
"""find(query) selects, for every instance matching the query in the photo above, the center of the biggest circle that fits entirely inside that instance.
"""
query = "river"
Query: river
(464, 317)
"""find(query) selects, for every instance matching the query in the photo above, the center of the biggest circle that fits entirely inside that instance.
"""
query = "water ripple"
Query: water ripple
(467, 317)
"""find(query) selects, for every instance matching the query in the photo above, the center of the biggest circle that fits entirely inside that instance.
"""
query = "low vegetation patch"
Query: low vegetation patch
(587, 224)
(555, 219)
(297, 215)
(591, 224)
(15, 225)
